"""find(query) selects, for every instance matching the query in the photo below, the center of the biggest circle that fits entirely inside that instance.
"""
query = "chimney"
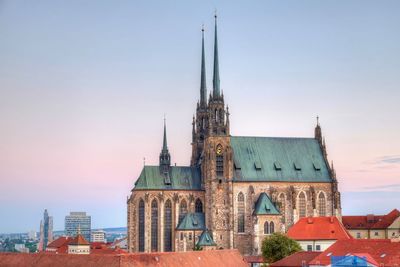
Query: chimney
(331, 219)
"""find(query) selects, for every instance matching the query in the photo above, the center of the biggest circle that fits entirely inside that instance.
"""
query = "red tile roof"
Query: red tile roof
(79, 240)
(60, 245)
(297, 259)
(370, 221)
(383, 251)
(318, 228)
(210, 258)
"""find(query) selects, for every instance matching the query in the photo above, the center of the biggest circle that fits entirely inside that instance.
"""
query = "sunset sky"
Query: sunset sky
(84, 86)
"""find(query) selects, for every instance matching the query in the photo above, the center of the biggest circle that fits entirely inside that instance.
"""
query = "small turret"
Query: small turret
(165, 158)
(318, 132)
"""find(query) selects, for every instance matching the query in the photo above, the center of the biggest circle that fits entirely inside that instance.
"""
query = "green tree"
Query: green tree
(278, 246)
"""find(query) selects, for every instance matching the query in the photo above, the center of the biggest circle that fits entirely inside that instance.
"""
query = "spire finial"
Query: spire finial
(317, 120)
(216, 85)
(203, 86)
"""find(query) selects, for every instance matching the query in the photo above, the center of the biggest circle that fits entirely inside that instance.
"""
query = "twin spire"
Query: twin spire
(216, 83)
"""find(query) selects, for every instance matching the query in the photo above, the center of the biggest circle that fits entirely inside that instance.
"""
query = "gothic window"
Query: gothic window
(321, 204)
(182, 210)
(219, 163)
(266, 228)
(302, 205)
(271, 228)
(240, 212)
(141, 225)
(282, 205)
(168, 226)
(154, 225)
(198, 205)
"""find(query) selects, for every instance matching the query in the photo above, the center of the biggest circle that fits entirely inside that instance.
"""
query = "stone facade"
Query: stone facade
(227, 199)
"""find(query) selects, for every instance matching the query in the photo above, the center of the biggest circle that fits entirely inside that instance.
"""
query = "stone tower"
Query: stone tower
(216, 164)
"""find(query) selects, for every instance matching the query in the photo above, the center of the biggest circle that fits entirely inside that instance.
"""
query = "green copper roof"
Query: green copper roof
(206, 239)
(203, 86)
(278, 159)
(192, 221)
(264, 206)
(182, 178)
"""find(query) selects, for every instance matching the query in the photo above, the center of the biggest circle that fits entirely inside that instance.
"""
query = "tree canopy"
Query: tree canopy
(278, 246)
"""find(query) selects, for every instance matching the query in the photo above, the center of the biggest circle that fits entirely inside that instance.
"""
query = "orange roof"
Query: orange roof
(318, 228)
(60, 245)
(79, 240)
(383, 251)
(210, 258)
(297, 259)
(370, 221)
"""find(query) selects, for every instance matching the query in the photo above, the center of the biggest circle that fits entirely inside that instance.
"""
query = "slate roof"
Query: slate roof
(318, 228)
(192, 221)
(370, 221)
(206, 239)
(383, 251)
(213, 258)
(297, 259)
(264, 206)
(182, 178)
(279, 159)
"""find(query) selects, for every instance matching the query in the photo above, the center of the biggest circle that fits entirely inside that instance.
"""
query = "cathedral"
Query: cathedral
(237, 189)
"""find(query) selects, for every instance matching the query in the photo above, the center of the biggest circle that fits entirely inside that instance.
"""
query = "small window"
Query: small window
(318, 247)
(376, 233)
(194, 221)
(309, 247)
(257, 164)
(358, 235)
(190, 236)
(277, 166)
(317, 167)
(237, 165)
(181, 236)
(297, 166)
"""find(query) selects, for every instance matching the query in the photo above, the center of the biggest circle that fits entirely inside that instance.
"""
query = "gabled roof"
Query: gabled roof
(279, 159)
(297, 259)
(383, 251)
(79, 240)
(264, 206)
(192, 221)
(206, 239)
(318, 228)
(182, 178)
(61, 241)
(358, 259)
(370, 221)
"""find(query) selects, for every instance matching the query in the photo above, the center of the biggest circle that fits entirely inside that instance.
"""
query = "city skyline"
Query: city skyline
(82, 107)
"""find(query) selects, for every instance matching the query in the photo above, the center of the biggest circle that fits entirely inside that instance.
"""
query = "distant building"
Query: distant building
(120, 243)
(318, 233)
(76, 220)
(98, 236)
(21, 248)
(32, 235)
(46, 231)
(374, 226)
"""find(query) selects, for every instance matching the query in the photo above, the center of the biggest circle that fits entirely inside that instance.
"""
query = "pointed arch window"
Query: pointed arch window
(141, 225)
(154, 225)
(271, 228)
(282, 205)
(182, 210)
(168, 226)
(198, 205)
(240, 212)
(321, 204)
(266, 228)
(302, 205)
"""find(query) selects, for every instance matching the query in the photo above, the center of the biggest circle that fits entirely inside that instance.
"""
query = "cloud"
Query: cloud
(385, 188)
(384, 160)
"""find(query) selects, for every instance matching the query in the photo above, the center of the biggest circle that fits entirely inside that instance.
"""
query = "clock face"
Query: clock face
(219, 150)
